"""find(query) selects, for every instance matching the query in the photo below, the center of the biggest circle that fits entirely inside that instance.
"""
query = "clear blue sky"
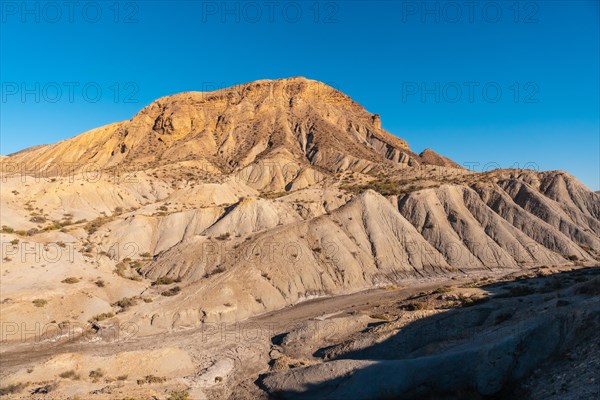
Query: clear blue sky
(382, 53)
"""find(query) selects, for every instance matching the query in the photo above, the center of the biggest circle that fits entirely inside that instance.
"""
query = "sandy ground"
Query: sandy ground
(224, 360)
(246, 343)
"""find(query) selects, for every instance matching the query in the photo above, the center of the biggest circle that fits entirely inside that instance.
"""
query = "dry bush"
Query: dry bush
(151, 379)
(125, 303)
(39, 302)
(12, 389)
(179, 395)
(96, 373)
(69, 374)
(102, 317)
(171, 292)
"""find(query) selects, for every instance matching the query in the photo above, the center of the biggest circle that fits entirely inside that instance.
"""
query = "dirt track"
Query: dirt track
(274, 322)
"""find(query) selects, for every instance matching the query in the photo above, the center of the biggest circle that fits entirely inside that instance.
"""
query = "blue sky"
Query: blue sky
(498, 83)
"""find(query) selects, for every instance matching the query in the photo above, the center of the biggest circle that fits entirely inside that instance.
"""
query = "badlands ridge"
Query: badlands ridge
(218, 207)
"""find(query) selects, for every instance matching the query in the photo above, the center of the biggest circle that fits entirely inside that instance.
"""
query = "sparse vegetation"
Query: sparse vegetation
(591, 288)
(70, 280)
(93, 226)
(179, 395)
(39, 302)
(385, 187)
(414, 306)
(7, 229)
(96, 374)
(382, 317)
(151, 379)
(102, 317)
(120, 269)
(70, 374)
(469, 301)
(125, 303)
(163, 280)
(223, 236)
(171, 292)
(518, 291)
(551, 286)
(443, 289)
(37, 219)
(215, 271)
(273, 195)
(12, 389)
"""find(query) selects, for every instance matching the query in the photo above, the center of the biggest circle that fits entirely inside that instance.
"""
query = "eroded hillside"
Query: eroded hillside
(216, 207)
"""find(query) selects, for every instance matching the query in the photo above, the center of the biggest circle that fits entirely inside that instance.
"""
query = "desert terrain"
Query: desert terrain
(272, 240)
